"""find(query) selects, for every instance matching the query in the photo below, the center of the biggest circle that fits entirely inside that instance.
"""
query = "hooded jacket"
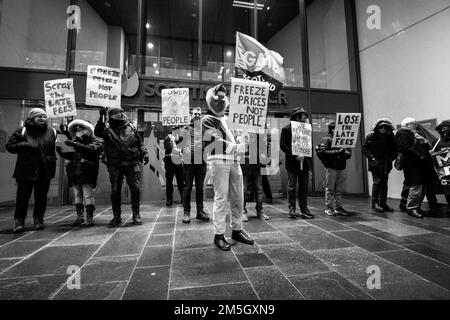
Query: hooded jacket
(83, 163)
(443, 142)
(35, 149)
(380, 149)
(332, 158)
(292, 164)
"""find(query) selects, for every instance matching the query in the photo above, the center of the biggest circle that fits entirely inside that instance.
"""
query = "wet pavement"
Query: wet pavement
(324, 258)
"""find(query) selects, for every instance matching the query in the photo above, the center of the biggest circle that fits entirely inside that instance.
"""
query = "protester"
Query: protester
(441, 145)
(417, 165)
(173, 164)
(34, 145)
(222, 150)
(335, 162)
(251, 169)
(125, 152)
(82, 170)
(379, 149)
(297, 168)
(194, 167)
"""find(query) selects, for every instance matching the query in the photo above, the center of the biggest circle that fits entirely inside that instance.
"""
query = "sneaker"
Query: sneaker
(19, 226)
(137, 221)
(115, 223)
(201, 215)
(307, 214)
(342, 212)
(293, 215)
(39, 224)
(330, 212)
(403, 208)
(261, 215)
(244, 216)
(89, 222)
(78, 222)
(187, 218)
(169, 203)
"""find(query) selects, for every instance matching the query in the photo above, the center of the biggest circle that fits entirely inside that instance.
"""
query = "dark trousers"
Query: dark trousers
(302, 177)
(133, 176)
(256, 181)
(173, 170)
(380, 188)
(24, 190)
(197, 173)
(266, 188)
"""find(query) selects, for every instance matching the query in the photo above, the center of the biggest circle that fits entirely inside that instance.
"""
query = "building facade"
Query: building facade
(176, 43)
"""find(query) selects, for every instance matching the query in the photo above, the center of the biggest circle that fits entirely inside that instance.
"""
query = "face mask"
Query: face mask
(81, 133)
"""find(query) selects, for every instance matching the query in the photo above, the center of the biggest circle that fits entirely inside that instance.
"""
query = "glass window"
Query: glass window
(221, 20)
(108, 35)
(328, 46)
(171, 46)
(279, 29)
(33, 34)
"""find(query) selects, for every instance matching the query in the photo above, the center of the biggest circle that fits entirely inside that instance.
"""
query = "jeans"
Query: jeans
(193, 172)
(431, 196)
(133, 176)
(334, 185)
(84, 194)
(266, 187)
(380, 188)
(303, 183)
(24, 190)
(415, 197)
(173, 170)
(256, 180)
(228, 187)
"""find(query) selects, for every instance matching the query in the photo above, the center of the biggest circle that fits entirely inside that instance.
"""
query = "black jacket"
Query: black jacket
(292, 164)
(123, 146)
(418, 167)
(251, 164)
(380, 150)
(84, 162)
(33, 163)
(332, 158)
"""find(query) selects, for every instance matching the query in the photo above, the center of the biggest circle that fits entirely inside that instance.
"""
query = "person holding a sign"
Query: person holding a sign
(125, 153)
(222, 150)
(34, 145)
(379, 149)
(442, 161)
(297, 168)
(335, 162)
(82, 170)
(173, 164)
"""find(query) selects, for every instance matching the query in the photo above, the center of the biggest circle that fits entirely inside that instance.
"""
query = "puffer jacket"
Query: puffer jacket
(380, 149)
(36, 156)
(333, 158)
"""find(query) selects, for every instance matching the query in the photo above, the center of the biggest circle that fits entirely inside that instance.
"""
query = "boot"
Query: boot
(80, 216)
(19, 226)
(306, 214)
(261, 215)
(89, 215)
(415, 214)
(201, 215)
(376, 206)
(187, 217)
(39, 224)
(292, 214)
(221, 242)
(116, 222)
(137, 221)
(386, 207)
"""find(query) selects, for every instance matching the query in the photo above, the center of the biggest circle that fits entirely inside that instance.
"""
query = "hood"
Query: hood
(216, 108)
(298, 111)
(82, 123)
(384, 121)
(445, 123)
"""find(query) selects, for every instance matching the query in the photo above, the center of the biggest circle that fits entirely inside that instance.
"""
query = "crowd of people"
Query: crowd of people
(234, 160)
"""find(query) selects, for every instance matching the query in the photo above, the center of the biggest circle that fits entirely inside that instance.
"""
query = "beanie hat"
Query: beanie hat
(113, 111)
(36, 112)
(298, 111)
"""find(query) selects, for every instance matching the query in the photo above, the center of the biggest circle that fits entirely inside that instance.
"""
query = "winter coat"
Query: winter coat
(292, 164)
(33, 163)
(380, 149)
(332, 158)
(257, 149)
(172, 150)
(123, 146)
(418, 164)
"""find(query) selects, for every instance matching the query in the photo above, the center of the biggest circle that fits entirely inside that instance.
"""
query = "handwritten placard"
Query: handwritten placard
(103, 87)
(60, 98)
(248, 105)
(301, 139)
(175, 107)
(346, 132)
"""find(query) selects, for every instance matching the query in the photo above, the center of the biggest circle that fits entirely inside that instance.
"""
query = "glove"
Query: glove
(63, 129)
(58, 149)
(25, 146)
(70, 143)
(146, 160)
(103, 112)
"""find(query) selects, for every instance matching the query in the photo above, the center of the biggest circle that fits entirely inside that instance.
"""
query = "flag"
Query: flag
(256, 62)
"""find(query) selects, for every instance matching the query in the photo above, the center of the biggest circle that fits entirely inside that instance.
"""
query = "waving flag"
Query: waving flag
(256, 62)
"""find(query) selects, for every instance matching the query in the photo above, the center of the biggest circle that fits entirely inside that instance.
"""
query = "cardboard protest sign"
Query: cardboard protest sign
(103, 87)
(60, 98)
(256, 62)
(301, 139)
(175, 107)
(248, 105)
(346, 132)
(441, 160)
